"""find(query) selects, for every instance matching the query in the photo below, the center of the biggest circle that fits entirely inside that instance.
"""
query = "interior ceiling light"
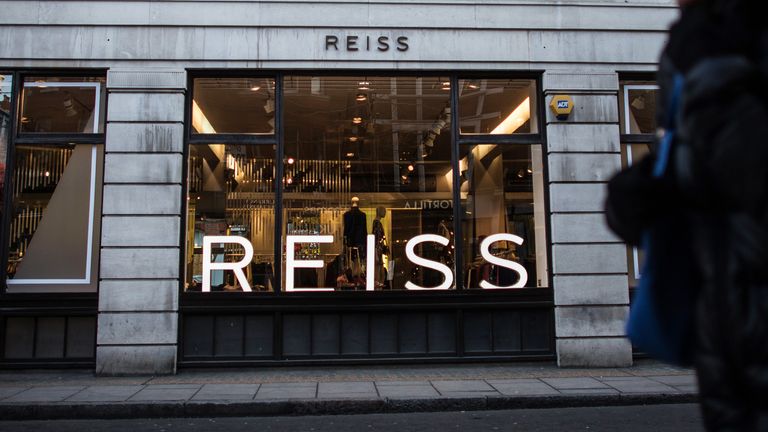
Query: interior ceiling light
(472, 85)
(255, 88)
(446, 85)
(353, 139)
(350, 155)
(410, 168)
(363, 85)
(361, 97)
(357, 120)
(290, 161)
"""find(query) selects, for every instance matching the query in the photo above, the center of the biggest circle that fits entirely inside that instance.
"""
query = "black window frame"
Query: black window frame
(213, 300)
(44, 304)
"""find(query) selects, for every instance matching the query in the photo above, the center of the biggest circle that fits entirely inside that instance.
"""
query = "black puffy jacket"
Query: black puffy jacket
(720, 179)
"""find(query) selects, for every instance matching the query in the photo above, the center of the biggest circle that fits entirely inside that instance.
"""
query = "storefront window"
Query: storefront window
(63, 105)
(233, 105)
(231, 193)
(367, 157)
(54, 229)
(6, 87)
(638, 103)
(497, 106)
(502, 191)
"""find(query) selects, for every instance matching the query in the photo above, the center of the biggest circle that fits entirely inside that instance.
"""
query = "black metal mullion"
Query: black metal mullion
(196, 138)
(279, 172)
(59, 139)
(458, 254)
(501, 139)
(10, 164)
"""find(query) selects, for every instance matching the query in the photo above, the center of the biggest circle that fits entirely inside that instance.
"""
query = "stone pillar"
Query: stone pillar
(589, 263)
(140, 254)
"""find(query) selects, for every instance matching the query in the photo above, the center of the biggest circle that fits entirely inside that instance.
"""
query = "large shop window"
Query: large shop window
(637, 102)
(53, 228)
(365, 194)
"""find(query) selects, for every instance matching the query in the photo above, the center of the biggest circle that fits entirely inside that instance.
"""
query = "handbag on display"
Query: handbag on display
(661, 318)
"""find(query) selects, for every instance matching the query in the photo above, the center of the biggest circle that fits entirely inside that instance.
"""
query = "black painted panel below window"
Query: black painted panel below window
(81, 340)
(442, 332)
(354, 334)
(259, 333)
(198, 336)
(19, 337)
(297, 340)
(229, 336)
(325, 334)
(383, 333)
(49, 342)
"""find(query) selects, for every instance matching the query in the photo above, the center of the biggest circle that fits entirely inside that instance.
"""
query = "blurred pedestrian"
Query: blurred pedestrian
(718, 49)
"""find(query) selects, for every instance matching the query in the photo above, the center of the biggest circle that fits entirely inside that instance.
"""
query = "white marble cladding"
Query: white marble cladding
(154, 295)
(145, 137)
(140, 254)
(594, 352)
(142, 168)
(606, 14)
(589, 263)
(116, 360)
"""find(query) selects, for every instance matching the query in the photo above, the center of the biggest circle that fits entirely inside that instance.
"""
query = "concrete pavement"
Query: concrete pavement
(337, 390)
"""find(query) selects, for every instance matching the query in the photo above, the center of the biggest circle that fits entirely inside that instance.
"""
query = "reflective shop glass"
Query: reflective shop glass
(54, 230)
(633, 153)
(231, 192)
(637, 100)
(63, 105)
(367, 155)
(233, 105)
(6, 88)
(497, 106)
(502, 191)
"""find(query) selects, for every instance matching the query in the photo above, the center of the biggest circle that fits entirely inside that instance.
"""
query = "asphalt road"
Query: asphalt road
(659, 418)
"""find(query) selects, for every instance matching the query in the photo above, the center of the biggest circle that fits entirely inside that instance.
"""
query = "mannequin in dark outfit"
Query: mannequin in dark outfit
(354, 228)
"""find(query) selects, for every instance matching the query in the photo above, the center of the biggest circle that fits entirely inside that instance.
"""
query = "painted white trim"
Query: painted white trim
(86, 280)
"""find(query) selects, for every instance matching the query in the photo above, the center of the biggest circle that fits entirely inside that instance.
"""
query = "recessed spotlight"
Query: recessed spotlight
(361, 97)
(410, 168)
(353, 139)
(289, 181)
(290, 161)
(255, 88)
(363, 85)
(350, 155)
(357, 120)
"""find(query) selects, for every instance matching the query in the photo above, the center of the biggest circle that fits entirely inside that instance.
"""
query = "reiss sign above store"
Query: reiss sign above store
(352, 43)
(291, 263)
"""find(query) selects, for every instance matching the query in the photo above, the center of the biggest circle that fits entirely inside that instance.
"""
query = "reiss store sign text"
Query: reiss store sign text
(291, 263)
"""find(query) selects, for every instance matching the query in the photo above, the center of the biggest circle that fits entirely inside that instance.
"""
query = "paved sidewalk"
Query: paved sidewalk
(336, 390)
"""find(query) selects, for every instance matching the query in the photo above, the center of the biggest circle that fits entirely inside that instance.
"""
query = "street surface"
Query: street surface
(658, 418)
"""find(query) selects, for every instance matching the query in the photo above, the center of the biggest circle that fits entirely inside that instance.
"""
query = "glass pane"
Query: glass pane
(54, 230)
(231, 193)
(234, 105)
(367, 156)
(638, 103)
(6, 87)
(497, 106)
(633, 153)
(502, 191)
(63, 105)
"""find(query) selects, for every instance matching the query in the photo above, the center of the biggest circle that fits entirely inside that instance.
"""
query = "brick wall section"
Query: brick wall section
(589, 263)
(139, 275)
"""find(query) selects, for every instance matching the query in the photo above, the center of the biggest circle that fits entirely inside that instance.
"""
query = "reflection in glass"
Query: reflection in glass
(231, 193)
(6, 87)
(234, 105)
(638, 102)
(63, 105)
(497, 106)
(367, 155)
(54, 229)
(633, 153)
(502, 191)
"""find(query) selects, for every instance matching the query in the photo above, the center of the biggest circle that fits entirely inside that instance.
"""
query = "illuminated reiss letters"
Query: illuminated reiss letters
(291, 263)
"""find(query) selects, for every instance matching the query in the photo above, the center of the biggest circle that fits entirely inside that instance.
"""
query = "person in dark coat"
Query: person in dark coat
(355, 230)
(720, 179)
